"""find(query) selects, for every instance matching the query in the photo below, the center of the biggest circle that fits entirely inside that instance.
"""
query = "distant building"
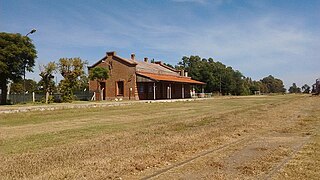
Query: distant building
(138, 80)
(316, 87)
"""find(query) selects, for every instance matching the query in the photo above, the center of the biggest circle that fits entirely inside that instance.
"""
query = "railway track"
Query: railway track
(246, 140)
(285, 160)
(160, 172)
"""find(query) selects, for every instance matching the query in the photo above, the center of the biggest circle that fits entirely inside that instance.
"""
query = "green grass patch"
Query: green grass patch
(44, 140)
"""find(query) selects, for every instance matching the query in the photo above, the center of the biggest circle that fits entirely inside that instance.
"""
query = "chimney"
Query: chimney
(112, 53)
(186, 74)
(146, 59)
(133, 57)
(182, 72)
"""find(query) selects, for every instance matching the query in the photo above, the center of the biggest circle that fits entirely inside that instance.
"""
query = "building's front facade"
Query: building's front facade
(137, 80)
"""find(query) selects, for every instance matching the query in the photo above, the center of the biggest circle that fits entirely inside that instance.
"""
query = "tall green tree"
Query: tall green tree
(17, 54)
(71, 70)
(272, 85)
(294, 89)
(47, 76)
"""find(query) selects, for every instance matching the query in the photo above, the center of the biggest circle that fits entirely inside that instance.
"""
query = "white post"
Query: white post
(193, 91)
(8, 92)
(33, 97)
(202, 94)
(182, 89)
(170, 91)
(154, 91)
(101, 94)
(47, 97)
(93, 97)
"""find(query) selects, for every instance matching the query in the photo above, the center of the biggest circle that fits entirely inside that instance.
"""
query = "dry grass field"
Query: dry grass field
(261, 137)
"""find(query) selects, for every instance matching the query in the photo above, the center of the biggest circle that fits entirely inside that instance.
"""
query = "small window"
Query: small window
(120, 88)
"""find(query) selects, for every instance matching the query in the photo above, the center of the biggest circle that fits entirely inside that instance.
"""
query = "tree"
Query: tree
(17, 54)
(71, 70)
(217, 76)
(17, 87)
(224, 79)
(99, 74)
(83, 84)
(47, 78)
(306, 89)
(256, 87)
(272, 85)
(294, 89)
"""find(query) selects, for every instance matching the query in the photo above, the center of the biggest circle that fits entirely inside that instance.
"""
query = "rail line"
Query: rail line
(196, 157)
(267, 176)
(286, 160)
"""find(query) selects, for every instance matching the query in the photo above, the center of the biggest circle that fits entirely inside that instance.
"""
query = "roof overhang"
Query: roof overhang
(170, 78)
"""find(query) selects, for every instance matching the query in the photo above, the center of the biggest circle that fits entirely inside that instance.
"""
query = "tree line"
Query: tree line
(74, 79)
(223, 79)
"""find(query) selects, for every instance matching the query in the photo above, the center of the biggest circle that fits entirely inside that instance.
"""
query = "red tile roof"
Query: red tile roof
(154, 68)
(164, 77)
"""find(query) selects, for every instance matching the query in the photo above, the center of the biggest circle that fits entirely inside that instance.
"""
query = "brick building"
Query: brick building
(138, 80)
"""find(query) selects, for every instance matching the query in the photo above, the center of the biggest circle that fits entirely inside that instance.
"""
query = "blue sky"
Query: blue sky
(256, 37)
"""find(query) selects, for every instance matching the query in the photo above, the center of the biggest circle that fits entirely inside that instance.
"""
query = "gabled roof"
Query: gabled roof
(172, 78)
(113, 54)
(125, 60)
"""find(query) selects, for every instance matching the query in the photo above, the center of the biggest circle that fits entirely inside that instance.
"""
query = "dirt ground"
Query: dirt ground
(255, 137)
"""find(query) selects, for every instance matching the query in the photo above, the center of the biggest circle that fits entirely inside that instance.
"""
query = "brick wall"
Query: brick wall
(119, 70)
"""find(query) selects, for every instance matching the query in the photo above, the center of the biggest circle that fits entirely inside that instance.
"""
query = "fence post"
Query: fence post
(101, 94)
(33, 97)
(93, 97)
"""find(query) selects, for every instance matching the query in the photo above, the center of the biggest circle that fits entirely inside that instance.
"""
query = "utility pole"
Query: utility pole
(24, 68)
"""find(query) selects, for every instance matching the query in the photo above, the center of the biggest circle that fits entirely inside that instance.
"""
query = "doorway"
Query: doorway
(103, 90)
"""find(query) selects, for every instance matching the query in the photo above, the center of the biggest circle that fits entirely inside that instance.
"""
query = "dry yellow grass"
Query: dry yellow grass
(135, 141)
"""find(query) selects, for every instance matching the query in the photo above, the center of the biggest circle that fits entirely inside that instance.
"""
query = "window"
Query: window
(120, 88)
